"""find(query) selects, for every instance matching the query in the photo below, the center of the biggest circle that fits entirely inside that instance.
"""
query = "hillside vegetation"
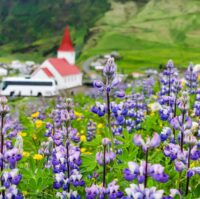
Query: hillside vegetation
(35, 27)
(150, 34)
(146, 33)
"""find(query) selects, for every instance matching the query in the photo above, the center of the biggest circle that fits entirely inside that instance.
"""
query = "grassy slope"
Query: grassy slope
(148, 36)
(32, 30)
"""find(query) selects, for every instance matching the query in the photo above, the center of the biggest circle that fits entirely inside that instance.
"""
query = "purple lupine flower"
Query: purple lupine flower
(157, 173)
(106, 142)
(197, 103)
(4, 108)
(148, 86)
(165, 113)
(135, 171)
(140, 191)
(109, 70)
(10, 153)
(183, 102)
(132, 171)
(168, 79)
(171, 150)
(165, 133)
(98, 84)
(113, 191)
(76, 178)
(62, 153)
(195, 152)
(193, 171)
(99, 109)
(110, 156)
(59, 180)
(150, 143)
(179, 165)
(91, 130)
(92, 192)
(120, 94)
(178, 124)
(191, 79)
(68, 195)
(13, 192)
(190, 139)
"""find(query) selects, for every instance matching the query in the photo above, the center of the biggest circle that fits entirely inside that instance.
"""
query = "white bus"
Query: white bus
(16, 86)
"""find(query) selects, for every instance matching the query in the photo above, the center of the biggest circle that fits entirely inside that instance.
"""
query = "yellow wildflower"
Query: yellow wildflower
(35, 115)
(194, 164)
(155, 96)
(23, 134)
(34, 136)
(199, 77)
(25, 154)
(152, 114)
(38, 123)
(38, 157)
(83, 150)
(87, 153)
(83, 138)
(25, 193)
(77, 114)
(100, 126)
(183, 82)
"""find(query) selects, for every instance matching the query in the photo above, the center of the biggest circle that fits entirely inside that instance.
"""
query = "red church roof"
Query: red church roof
(48, 72)
(66, 44)
(63, 67)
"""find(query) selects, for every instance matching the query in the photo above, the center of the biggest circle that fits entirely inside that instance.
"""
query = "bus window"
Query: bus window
(25, 83)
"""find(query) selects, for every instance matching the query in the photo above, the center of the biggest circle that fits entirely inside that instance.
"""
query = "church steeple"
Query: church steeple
(66, 49)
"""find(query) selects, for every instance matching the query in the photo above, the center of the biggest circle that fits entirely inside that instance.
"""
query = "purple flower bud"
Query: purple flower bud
(120, 94)
(190, 173)
(137, 139)
(98, 84)
(180, 166)
(155, 141)
(106, 141)
(110, 68)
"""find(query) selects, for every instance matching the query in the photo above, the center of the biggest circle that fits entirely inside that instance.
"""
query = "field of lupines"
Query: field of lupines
(138, 143)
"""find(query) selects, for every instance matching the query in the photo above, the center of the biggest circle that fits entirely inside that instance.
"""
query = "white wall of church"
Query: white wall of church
(69, 56)
(40, 74)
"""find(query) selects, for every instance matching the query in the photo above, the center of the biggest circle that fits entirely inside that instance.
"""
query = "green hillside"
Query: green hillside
(33, 29)
(150, 34)
(145, 33)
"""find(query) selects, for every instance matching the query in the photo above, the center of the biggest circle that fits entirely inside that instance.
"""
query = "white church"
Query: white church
(63, 68)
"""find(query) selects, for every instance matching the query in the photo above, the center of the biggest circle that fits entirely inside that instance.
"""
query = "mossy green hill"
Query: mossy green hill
(146, 34)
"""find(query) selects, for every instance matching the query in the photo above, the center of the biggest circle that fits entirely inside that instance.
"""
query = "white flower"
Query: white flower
(155, 106)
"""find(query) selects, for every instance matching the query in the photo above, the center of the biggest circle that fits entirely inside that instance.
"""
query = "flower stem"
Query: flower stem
(188, 166)
(174, 115)
(169, 84)
(2, 144)
(109, 118)
(146, 169)
(104, 166)
(67, 147)
(68, 169)
(182, 134)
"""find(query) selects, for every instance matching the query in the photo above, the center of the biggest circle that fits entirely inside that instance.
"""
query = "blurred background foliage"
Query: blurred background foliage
(145, 32)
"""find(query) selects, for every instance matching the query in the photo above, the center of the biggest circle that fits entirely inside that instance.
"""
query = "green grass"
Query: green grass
(146, 35)
(150, 35)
